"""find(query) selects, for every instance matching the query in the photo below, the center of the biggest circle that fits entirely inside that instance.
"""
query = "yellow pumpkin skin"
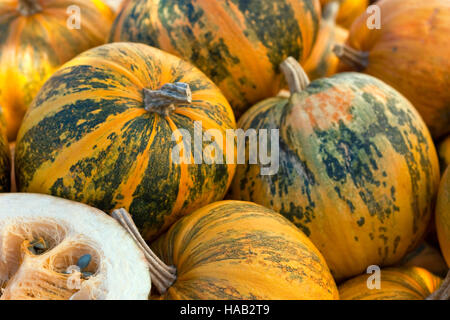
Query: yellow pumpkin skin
(323, 62)
(89, 137)
(239, 44)
(349, 10)
(5, 164)
(241, 250)
(32, 47)
(443, 215)
(406, 283)
(444, 153)
(427, 257)
(410, 52)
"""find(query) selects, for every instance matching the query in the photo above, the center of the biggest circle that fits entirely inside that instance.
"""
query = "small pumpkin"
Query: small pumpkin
(409, 52)
(427, 257)
(239, 44)
(37, 38)
(443, 215)
(5, 164)
(55, 249)
(358, 171)
(323, 62)
(407, 283)
(103, 130)
(235, 250)
(349, 10)
(444, 153)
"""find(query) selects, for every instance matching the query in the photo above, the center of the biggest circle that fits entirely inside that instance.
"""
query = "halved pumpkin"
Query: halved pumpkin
(51, 248)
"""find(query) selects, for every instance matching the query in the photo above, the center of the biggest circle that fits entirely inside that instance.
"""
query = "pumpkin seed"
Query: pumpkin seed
(87, 274)
(84, 261)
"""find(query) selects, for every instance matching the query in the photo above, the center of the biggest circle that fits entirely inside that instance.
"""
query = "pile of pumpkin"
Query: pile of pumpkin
(102, 206)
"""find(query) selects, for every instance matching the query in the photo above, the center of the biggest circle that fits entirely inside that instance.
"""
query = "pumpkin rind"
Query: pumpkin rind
(443, 215)
(410, 52)
(33, 47)
(407, 283)
(238, 44)
(240, 250)
(87, 136)
(5, 165)
(444, 153)
(427, 257)
(355, 154)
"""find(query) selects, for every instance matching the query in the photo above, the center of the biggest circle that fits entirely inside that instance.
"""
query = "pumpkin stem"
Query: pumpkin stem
(29, 7)
(163, 101)
(295, 76)
(162, 275)
(443, 293)
(330, 11)
(356, 59)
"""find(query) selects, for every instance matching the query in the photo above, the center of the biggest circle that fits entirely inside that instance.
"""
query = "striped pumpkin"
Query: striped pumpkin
(358, 171)
(239, 44)
(349, 10)
(444, 153)
(323, 62)
(443, 215)
(409, 52)
(36, 40)
(5, 167)
(240, 250)
(98, 133)
(407, 283)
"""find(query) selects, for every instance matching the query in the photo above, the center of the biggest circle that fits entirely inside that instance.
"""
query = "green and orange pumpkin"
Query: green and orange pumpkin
(410, 52)
(323, 62)
(443, 216)
(5, 165)
(103, 130)
(239, 44)
(407, 283)
(358, 170)
(36, 39)
(235, 250)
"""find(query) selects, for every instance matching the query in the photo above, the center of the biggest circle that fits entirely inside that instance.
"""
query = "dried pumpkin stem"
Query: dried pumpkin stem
(296, 77)
(29, 7)
(330, 11)
(162, 275)
(443, 293)
(163, 101)
(356, 59)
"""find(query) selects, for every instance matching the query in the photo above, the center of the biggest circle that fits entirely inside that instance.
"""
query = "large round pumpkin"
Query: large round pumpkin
(37, 37)
(407, 283)
(358, 171)
(240, 250)
(103, 130)
(55, 249)
(349, 10)
(239, 44)
(410, 52)
(5, 165)
(443, 215)
(323, 62)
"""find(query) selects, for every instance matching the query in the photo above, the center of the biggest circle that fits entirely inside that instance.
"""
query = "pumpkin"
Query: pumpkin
(407, 283)
(5, 166)
(55, 249)
(36, 39)
(323, 62)
(410, 52)
(235, 250)
(443, 215)
(358, 171)
(349, 10)
(427, 257)
(444, 153)
(239, 44)
(104, 129)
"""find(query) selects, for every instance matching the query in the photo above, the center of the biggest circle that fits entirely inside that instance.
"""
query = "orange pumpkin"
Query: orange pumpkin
(427, 257)
(444, 153)
(323, 62)
(407, 283)
(349, 10)
(410, 52)
(443, 215)
(37, 37)
(5, 164)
